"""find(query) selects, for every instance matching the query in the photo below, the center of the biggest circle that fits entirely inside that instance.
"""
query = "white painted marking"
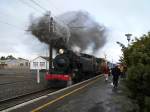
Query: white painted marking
(72, 86)
(23, 104)
(45, 96)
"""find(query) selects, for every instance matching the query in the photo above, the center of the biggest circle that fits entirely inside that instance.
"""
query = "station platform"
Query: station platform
(94, 96)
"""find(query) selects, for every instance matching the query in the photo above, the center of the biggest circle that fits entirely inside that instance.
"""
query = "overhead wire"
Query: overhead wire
(56, 8)
(29, 5)
(6, 13)
(49, 1)
(15, 26)
(12, 25)
(41, 7)
(76, 27)
(49, 15)
(38, 5)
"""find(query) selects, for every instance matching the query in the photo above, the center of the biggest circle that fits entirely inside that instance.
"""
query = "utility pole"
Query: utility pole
(51, 42)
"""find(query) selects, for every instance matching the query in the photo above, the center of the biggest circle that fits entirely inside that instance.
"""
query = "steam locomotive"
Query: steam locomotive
(70, 67)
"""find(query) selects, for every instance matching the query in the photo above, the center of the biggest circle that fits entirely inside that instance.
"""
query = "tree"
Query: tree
(137, 59)
(2, 58)
(10, 57)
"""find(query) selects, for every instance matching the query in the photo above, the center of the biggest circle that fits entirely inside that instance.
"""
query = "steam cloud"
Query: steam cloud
(74, 29)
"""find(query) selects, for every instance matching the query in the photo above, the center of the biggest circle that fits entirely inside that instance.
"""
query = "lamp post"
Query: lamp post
(128, 37)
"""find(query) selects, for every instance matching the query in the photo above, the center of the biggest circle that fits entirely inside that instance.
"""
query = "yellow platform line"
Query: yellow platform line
(61, 97)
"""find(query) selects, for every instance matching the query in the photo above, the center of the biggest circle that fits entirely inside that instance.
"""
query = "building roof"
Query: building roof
(46, 58)
(23, 59)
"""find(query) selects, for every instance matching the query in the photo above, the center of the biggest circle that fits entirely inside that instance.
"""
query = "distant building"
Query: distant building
(39, 63)
(23, 63)
(3, 64)
(14, 63)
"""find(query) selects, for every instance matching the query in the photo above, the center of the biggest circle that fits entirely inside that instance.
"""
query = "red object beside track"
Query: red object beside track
(64, 77)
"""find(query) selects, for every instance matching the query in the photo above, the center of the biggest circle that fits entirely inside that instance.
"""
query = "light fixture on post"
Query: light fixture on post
(128, 37)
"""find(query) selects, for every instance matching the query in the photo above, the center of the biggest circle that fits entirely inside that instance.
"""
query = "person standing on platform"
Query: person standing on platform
(106, 72)
(115, 73)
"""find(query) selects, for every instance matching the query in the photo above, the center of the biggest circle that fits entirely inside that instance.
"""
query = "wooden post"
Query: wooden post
(38, 76)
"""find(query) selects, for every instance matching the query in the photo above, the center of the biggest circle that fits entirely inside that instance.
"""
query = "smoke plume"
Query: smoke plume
(74, 29)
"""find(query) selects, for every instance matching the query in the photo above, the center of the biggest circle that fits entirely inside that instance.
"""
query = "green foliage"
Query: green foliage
(147, 104)
(2, 58)
(137, 59)
(10, 57)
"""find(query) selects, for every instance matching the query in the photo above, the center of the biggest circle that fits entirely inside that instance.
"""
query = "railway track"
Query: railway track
(9, 102)
(13, 82)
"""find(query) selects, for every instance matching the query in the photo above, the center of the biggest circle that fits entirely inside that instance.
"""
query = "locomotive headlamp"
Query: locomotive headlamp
(61, 51)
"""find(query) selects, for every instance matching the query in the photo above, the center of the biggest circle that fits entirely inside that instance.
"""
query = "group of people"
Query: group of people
(116, 72)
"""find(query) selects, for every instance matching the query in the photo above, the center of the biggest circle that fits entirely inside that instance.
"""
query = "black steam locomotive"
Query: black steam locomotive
(70, 67)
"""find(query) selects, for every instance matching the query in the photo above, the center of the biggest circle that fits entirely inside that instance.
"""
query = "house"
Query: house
(39, 63)
(17, 63)
(14, 63)
(23, 63)
(3, 64)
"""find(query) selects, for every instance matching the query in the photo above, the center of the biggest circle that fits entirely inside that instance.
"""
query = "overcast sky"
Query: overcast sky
(119, 16)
